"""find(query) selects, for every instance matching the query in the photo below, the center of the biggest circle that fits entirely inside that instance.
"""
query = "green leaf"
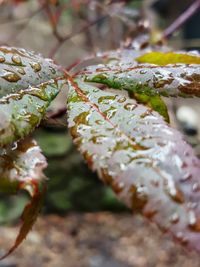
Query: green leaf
(171, 80)
(28, 84)
(21, 167)
(147, 163)
(162, 59)
(154, 102)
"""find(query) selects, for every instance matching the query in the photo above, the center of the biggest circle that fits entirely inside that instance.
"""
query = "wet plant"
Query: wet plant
(126, 138)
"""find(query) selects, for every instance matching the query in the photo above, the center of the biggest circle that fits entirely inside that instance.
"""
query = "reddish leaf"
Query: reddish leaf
(21, 168)
(28, 217)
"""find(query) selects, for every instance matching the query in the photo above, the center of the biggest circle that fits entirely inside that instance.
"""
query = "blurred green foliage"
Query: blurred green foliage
(71, 186)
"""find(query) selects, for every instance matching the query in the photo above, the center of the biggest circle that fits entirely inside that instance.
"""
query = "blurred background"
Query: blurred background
(82, 223)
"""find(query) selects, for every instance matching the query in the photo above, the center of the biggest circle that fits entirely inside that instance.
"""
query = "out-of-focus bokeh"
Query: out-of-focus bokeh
(83, 224)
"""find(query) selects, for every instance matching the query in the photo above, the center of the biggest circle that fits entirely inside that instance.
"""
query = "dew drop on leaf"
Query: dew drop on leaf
(35, 66)
(2, 59)
(53, 71)
(194, 222)
(196, 187)
(21, 71)
(143, 72)
(174, 218)
(121, 100)
(183, 239)
(129, 106)
(16, 59)
(11, 77)
(187, 176)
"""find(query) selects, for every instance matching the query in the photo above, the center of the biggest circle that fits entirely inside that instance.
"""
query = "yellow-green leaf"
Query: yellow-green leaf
(155, 102)
(162, 59)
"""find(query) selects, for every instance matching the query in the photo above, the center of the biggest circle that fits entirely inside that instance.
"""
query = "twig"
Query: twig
(193, 8)
(69, 36)
(54, 21)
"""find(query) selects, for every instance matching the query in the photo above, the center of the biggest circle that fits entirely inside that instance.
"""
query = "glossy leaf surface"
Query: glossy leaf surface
(28, 83)
(154, 102)
(170, 80)
(147, 163)
(21, 168)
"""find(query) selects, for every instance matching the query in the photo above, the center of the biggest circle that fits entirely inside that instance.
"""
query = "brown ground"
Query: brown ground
(95, 240)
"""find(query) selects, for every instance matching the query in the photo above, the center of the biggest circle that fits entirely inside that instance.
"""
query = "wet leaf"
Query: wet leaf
(21, 163)
(154, 102)
(147, 163)
(21, 167)
(170, 80)
(28, 84)
(162, 59)
(28, 218)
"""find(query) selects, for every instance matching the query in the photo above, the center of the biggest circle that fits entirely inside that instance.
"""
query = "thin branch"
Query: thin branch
(71, 35)
(54, 22)
(193, 8)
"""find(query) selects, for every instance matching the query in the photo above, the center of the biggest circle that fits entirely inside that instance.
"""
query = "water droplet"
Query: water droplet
(2, 59)
(36, 66)
(122, 99)
(130, 106)
(192, 218)
(138, 199)
(180, 236)
(110, 112)
(100, 122)
(16, 59)
(53, 71)
(11, 77)
(186, 176)
(21, 71)
(192, 205)
(14, 146)
(141, 190)
(178, 196)
(143, 71)
(122, 166)
(196, 187)
(174, 218)
(171, 188)
(194, 222)
(145, 114)
(106, 99)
